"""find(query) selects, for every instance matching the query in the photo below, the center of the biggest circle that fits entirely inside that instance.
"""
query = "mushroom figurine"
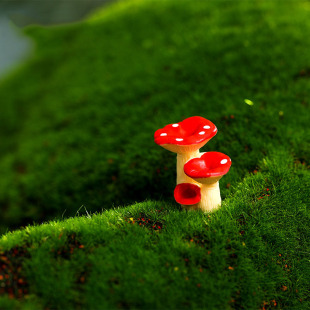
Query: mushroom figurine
(207, 170)
(187, 195)
(185, 139)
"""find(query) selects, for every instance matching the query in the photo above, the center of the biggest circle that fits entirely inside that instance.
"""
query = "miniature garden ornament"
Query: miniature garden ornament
(185, 139)
(198, 174)
(207, 170)
(188, 195)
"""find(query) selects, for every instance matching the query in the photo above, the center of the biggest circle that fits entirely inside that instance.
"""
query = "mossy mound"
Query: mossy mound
(77, 121)
(250, 254)
(77, 124)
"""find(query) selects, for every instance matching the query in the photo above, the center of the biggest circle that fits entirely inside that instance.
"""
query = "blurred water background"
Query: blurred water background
(16, 14)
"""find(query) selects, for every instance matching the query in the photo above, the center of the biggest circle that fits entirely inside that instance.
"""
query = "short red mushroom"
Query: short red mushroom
(208, 169)
(185, 139)
(187, 194)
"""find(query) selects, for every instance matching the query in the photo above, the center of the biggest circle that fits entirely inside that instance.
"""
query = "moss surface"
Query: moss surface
(77, 121)
(251, 254)
(76, 129)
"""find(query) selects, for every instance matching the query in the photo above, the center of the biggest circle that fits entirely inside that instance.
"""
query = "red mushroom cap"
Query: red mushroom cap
(187, 194)
(210, 164)
(193, 130)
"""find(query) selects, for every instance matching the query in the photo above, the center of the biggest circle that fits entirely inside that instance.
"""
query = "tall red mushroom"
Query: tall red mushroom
(185, 139)
(208, 169)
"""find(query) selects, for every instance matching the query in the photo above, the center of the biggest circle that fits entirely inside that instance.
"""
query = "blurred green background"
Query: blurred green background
(77, 118)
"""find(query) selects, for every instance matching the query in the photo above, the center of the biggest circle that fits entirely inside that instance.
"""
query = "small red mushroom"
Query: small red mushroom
(207, 170)
(185, 139)
(187, 194)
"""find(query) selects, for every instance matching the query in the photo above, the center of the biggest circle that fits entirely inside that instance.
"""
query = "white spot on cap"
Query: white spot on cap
(163, 134)
(206, 127)
(179, 139)
(202, 132)
(214, 129)
(224, 161)
(175, 125)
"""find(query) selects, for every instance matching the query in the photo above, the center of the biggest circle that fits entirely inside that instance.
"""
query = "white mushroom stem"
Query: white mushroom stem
(210, 197)
(182, 159)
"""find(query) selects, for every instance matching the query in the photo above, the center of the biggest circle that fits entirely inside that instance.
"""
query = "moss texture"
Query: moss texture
(251, 254)
(77, 124)
(77, 121)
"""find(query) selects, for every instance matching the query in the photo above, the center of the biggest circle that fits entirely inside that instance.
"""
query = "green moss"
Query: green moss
(77, 120)
(76, 129)
(251, 252)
